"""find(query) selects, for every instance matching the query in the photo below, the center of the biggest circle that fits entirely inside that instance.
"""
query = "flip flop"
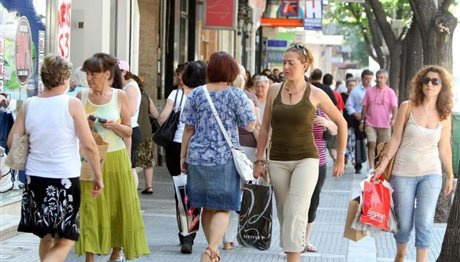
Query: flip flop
(147, 191)
(310, 248)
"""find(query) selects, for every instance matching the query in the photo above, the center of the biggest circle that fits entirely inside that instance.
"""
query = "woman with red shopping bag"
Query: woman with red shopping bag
(422, 150)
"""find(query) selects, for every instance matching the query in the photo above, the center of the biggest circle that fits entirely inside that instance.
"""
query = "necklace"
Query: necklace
(291, 92)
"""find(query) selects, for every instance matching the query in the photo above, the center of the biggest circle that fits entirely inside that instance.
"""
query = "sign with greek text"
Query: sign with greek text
(313, 15)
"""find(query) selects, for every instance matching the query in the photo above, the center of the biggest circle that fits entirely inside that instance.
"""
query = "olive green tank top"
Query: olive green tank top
(292, 135)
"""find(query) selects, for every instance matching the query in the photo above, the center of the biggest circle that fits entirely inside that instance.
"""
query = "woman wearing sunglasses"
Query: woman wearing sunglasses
(421, 152)
(293, 160)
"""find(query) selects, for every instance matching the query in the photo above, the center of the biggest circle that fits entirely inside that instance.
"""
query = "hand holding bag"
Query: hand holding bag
(19, 151)
(242, 163)
(376, 203)
(165, 135)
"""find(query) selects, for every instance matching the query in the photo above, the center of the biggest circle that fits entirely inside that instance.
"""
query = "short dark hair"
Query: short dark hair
(100, 62)
(117, 80)
(194, 74)
(348, 75)
(316, 75)
(222, 67)
(328, 79)
(366, 72)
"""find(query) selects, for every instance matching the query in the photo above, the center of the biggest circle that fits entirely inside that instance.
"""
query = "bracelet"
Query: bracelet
(263, 161)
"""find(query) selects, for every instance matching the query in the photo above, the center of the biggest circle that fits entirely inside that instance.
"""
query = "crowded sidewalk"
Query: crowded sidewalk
(160, 222)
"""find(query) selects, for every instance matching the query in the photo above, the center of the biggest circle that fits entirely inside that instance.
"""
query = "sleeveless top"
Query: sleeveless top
(418, 154)
(138, 102)
(109, 111)
(54, 145)
(144, 118)
(292, 136)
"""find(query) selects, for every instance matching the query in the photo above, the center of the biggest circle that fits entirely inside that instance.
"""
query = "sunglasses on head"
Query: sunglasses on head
(434, 81)
(300, 47)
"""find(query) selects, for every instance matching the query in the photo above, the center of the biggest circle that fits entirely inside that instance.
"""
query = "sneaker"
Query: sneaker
(186, 247)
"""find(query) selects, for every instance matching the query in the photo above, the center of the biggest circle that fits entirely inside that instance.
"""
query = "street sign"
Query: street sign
(275, 43)
(313, 15)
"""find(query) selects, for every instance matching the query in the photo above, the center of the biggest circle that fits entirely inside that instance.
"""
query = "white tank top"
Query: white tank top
(54, 146)
(418, 154)
(134, 117)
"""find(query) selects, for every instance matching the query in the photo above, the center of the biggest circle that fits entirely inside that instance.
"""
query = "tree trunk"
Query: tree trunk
(450, 250)
(411, 60)
(443, 207)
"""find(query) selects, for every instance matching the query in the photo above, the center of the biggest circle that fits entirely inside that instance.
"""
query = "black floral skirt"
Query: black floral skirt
(51, 206)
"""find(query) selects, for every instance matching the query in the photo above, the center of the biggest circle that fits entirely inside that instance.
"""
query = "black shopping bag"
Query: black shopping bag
(188, 218)
(255, 223)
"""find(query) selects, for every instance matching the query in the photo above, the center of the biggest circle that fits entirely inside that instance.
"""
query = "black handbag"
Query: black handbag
(165, 136)
(255, 222)
(154, 123)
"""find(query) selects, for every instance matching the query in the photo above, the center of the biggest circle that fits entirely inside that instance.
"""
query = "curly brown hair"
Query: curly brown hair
(444, 102)
(55, 70)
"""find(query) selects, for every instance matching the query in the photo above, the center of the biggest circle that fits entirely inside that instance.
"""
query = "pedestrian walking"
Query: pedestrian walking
(190, 76)
(213, 182)
(321, 124)
(144, 160)
(293, 160)
(331, 142)
(380, 106)
(354, 106)
(113, 222)
(351, 140)
(133, 93)
(56, 124)
(421, 154)
(262, 84)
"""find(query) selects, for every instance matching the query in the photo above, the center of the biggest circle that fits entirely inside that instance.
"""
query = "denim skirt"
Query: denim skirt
(214, 187)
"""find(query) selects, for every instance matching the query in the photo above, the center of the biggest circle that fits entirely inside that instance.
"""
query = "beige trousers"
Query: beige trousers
(293, 183)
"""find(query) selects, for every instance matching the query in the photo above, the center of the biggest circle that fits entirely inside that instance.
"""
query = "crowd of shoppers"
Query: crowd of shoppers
(282, 120)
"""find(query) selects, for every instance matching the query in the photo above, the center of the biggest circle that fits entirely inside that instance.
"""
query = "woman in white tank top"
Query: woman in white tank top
(421, 152)
(56, 124)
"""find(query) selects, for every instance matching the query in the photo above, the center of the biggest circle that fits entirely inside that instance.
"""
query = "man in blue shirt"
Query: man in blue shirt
(354, 106)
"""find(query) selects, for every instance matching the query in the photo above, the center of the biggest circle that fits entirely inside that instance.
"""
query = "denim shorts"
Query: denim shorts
(415, 204)
(214, 187)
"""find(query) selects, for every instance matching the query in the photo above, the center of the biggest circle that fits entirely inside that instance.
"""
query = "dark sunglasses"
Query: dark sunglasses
(100, 120)
(300, 47)
(434, 81)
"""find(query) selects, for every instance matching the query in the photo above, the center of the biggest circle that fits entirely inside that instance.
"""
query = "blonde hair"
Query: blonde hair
(55, 70)
(305, 55)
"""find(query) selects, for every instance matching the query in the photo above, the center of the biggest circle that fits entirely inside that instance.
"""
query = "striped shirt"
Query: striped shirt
(318, 133)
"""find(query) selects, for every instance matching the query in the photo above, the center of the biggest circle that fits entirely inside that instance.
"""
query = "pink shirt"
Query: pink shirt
(379, 103)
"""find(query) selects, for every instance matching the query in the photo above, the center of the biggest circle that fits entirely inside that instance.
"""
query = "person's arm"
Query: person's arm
(394, 112)
(132, 98)
(330, 126)
(264, 132)
(87, 143)
(153, 109)
(166, 111)
(363, 114)
(334, 114)
(445, 154)
(18, 126)
(122, 128)
(188, 132)
(395, 140)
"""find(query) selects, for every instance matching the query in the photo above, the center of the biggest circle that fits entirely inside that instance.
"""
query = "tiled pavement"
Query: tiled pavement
(159, 218)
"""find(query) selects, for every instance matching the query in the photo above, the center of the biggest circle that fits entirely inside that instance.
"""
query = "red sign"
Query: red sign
(64, 27)
(220, 14)
(23, 53)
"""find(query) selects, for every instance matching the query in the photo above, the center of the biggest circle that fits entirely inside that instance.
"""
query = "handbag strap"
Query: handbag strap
(175, 100)
(25, 108)
(214, 111)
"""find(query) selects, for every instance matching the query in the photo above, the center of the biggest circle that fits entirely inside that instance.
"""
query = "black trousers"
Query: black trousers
(360, 146)
(314, 203)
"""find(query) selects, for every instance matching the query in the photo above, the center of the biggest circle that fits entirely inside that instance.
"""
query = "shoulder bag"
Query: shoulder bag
(382, 149)
(17, 156)
(242, 163)
(165, 135)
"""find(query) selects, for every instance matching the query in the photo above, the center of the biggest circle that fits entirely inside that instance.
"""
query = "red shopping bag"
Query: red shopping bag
(376, 203)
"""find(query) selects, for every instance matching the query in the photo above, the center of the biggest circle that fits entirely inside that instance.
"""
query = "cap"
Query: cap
(123, 65)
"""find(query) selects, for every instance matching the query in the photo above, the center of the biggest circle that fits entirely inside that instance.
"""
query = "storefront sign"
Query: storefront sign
(2, 69)
(23, 51)
(313, 15)
(289, 8)
(221, 14)
(64, 27)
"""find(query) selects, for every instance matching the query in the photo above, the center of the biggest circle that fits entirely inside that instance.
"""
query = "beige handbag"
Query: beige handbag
(86, 173)
(17, 156)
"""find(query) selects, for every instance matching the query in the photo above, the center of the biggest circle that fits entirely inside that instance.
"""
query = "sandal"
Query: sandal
(209, 256)
(147, 191)
(228, 245)
(310, 248)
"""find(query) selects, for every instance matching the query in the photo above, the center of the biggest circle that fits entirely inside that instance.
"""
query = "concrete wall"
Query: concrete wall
(94, 36)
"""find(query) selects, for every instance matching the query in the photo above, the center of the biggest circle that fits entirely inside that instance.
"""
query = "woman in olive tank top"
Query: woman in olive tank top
(293, 160)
